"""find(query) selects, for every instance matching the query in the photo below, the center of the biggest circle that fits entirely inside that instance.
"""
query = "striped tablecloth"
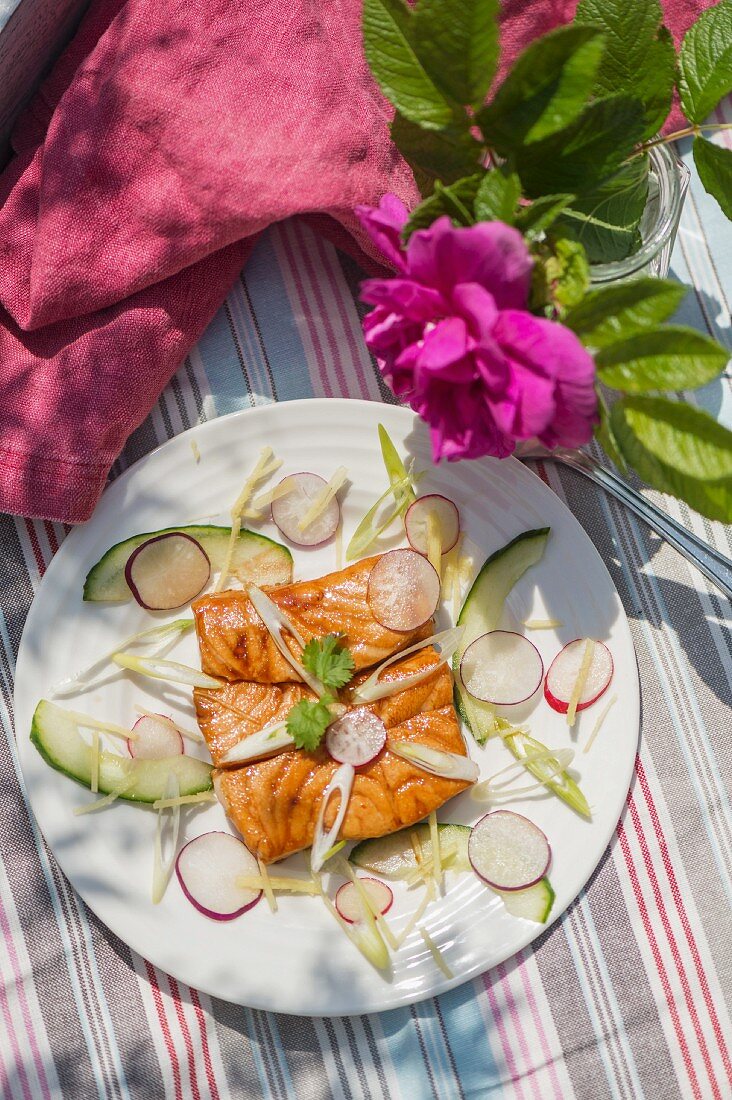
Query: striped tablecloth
(628, 995)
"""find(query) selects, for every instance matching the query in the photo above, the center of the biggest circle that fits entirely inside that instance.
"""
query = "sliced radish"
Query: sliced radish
(155, 738)
(289, 509)
(417, 519)
(564, 670)
(208, 869)
(167, 571)
(501, 668)
(404, 590)
(357, 738)
(508, 851)
(348, 903)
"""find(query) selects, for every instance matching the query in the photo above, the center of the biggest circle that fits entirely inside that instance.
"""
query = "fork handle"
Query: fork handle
(715, 566)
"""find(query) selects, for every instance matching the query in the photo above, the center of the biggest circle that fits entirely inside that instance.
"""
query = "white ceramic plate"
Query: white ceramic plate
(298, 960)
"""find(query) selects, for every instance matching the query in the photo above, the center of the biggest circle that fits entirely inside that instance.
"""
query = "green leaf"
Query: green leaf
(705, 62)
(586, 152)
(439, 154)
(329, 661)
(606, 220)
(442, 202)
(714, 165)
(535, 219)
(389, 50)
(560, 277)
(615, 312)
(547, 88)
(670, 358)
(678, 449)
(639, 57)
(307, 721)
(458, 45)
(497, 196)
(604, 434)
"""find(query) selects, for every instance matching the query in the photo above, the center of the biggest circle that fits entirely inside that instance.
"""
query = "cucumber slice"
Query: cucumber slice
(256, 559)
(533, 903)
(393, 856)
(481, 613)
(57, 738)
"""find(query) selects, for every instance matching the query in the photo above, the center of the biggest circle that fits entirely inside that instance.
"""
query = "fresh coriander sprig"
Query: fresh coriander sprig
(331, 663)
(308, 720)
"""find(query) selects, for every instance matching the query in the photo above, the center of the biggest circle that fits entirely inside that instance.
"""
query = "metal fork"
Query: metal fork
(715, 566)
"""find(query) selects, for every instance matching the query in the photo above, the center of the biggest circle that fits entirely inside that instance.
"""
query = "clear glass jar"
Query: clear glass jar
(668, 183)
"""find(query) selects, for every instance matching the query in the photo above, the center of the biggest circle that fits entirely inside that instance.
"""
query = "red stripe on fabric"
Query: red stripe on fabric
(24, 1008)
(17, 1056)
(210, 1076)
(665, 984)
(689, 935)
(517, 1024)
(326, 255)
(158, 1001)
(322, 311)
(35, 546)
(175, 994)
(541, 471)
(523, 958)
(502, 1034)
(51, 535)
(306, 311)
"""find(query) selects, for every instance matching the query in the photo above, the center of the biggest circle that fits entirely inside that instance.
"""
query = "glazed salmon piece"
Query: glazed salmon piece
(236, 645)
(236, 711)
(274, 803)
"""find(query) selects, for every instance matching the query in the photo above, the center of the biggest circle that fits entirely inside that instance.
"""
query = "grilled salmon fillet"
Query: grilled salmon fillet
(230, 714)
(275, 803)
(236, 645)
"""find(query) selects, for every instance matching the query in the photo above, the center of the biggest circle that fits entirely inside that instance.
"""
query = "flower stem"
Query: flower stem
(688, 131)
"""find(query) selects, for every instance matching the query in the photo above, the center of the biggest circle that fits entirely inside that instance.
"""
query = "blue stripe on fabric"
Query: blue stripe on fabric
(477, 1069)
(221, 363)
(402, 1040)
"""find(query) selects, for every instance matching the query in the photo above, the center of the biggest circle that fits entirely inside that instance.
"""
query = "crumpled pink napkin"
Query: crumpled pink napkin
(167, 137)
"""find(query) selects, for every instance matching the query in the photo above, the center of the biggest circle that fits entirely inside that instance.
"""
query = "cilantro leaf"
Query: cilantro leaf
(329, 661)
(308, 721)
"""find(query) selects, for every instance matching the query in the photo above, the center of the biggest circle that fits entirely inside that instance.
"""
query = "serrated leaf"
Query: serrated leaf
(678, 449)
(458, 45)
(714, 165)
(639, 57)
(446, 154)
(586, 152)
(705, 62)
(605, 437)
(397, 69)
(536, 218)
(443, 202)
(615, 312)
(547, 88)
(497, 196)
(606, 220)
(670, 358)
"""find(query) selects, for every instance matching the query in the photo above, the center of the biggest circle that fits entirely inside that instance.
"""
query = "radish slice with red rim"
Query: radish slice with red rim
(357, 738)
(502, 668)
(167, 571)
(156, 737)
(348, 902)
(564, 670)
(417, 520)
(508, 851)
(288, 511)
(208, 869)
(404, 590)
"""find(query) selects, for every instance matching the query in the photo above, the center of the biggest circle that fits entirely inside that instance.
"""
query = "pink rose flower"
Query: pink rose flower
(455, 338)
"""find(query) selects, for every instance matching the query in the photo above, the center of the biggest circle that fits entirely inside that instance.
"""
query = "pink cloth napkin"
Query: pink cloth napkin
(167, 137)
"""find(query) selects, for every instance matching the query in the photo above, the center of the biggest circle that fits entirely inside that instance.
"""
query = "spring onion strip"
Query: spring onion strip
(87, 722)
(456, 579)
(267, 885)
(436, 953)
(163, 865)
(364, 936)
(369, 903)
(184, 800)
(447, 765)
(425, 869)
(192, 735)
(276, 621)
(557, 761)
(436, 855)
(196, 451)
(278, 883)
(263, 501)
(446, 643)
(434, 543)
(265, 466)
(580, 682)
(419, 857)
(414, 919)
(88, 677)
(334, 850)
(368, 530)
(265, 742)
(102, 803)
(542, 624)
(324, 497)
(522, 745)
(94, 781)
(341, 783)
(170, 671)
(599, 722)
